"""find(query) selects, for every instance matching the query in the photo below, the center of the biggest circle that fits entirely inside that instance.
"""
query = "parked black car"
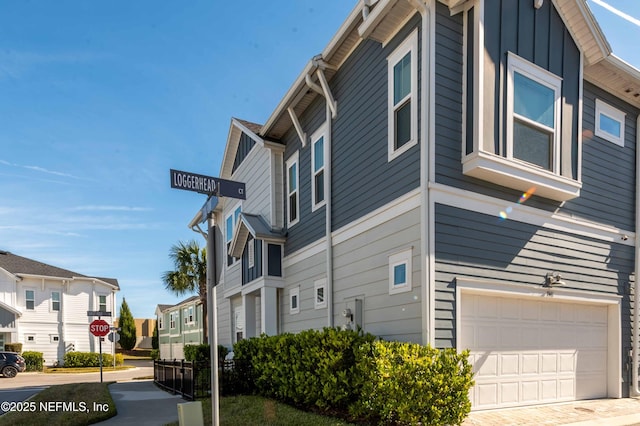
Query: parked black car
(11, 364)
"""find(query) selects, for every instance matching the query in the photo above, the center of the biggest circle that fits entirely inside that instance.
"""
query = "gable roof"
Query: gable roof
(22, 266)
(255, 225)
(191, 299)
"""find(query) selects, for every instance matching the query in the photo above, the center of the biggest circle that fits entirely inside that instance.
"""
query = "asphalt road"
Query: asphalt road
(17, 395)
(24, 381)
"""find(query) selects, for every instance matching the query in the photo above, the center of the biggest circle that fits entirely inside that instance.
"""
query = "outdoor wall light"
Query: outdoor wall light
(553, 279)
(537, 3)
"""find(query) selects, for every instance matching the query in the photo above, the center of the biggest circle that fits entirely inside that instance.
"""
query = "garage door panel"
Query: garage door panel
(534, 351)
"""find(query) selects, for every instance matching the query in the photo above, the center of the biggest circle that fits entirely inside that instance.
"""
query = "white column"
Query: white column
(269, 310)
(249, 307)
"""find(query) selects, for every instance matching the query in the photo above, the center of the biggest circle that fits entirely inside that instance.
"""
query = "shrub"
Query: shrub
(197, 353)
(33, 360)
(13, 347)
(155, 354)
(408, 383)
(90, 359)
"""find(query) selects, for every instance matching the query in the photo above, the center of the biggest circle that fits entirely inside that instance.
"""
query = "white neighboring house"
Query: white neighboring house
(45, 307)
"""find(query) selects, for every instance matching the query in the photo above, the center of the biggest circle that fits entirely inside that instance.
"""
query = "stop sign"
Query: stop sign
(99, 328)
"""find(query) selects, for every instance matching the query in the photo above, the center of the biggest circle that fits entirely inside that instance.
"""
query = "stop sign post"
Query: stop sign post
(100, 328)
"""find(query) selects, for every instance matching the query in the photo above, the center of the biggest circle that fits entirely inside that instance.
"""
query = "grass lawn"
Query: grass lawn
(255, 410)
(105, 368)
(79, 406)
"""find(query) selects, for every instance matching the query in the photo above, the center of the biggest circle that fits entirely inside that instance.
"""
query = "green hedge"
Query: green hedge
(90, 359)
(407, 383)
(33, 360)
(202, 353)
(13, 347)
(351, 372)
(155, 354)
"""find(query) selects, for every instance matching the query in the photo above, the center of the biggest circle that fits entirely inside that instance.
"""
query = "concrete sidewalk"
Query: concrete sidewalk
(610, 412)
(142, 403)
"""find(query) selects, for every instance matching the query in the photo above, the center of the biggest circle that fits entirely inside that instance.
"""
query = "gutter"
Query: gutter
(634, 390)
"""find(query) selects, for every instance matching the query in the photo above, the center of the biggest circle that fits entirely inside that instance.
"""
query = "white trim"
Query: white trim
(304, 253)
(603, 108)
(251, 252)
(317, 285)
(231, 213)
(321, 133)
(25, 298)
(59, 301)
(54, 338)
(26, 338)
(290, 162)
(484, 204)
(400, 205)
(522, 291)
(549, 80)
(294, 292)
(398, 259)
(409, 45)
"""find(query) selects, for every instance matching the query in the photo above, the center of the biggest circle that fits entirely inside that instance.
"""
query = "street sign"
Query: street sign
(207, 184)
(99, 328)
(98, 313)
(114, 337)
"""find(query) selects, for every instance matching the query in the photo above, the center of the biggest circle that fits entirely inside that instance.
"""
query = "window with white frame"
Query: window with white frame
(400, 271)
(172, 320)
(54, 338)
(251, 253)
(231, 221)
(293, 199)
(30, 299)
(30, 338)
(402, 69)
(317, 169)
(609, 123)
(185, 315)
(190, 312)
(533, 114)
(161, 322)
(55, 300)
(102, 302)
(320, 293)
(294, 300)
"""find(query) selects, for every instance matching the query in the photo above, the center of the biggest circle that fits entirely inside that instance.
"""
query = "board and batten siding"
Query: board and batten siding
(362, 177)
(361, 271)
(479, 246)
(608, 191)
(245, 145)
(311, 224)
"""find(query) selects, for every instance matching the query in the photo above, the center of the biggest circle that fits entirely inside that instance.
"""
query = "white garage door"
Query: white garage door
(531, 351)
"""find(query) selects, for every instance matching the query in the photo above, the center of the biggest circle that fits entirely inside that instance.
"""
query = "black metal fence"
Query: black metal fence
(192, 380)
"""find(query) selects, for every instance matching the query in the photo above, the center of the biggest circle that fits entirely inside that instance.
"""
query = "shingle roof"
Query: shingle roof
(163, 308)
(254, 127)
(18, 265)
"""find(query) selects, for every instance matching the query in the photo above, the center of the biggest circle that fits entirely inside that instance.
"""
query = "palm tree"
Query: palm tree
(190, 275)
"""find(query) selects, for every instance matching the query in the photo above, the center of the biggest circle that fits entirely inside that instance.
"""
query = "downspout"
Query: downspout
(634, 389)
(425, 172)
(330, 111)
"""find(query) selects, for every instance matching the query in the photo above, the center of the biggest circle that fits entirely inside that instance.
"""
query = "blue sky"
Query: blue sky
(98, 100)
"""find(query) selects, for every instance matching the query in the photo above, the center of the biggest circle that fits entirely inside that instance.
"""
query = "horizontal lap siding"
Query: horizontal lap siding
(311, 226)
(303, 274)
(363, 178)
(361, 270)
(608, 176)
(475, 245)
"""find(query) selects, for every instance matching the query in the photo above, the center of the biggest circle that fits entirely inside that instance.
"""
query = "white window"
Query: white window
(251, 253)
(190, 314)
(161, 322)
(54, 338)
(231, 222)
(320, 293)
(30, 338)
(318, 154)
(533, 114)
(55, 300)
(185, 315)
(102, 302)
(402, 69)
(609, 123)
(30, 299)
(172, 320)
(400, 272)
(238, 320)
(294, 300)
(293, 199)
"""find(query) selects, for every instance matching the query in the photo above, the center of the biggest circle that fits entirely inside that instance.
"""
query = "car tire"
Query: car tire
(10, 372)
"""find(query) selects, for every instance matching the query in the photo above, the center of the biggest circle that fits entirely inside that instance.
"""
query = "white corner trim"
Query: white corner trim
(484, 204)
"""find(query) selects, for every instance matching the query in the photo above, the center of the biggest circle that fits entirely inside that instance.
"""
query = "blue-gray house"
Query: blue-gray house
(458, 173)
